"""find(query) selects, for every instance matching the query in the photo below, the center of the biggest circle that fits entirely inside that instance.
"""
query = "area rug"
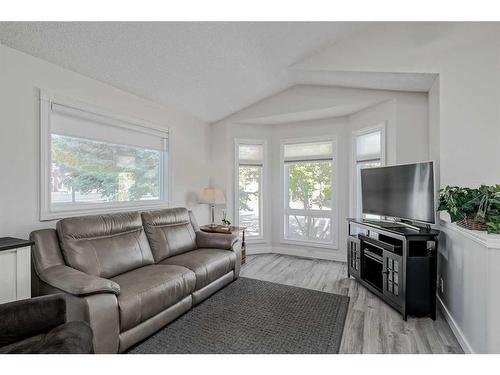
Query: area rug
(254, 316)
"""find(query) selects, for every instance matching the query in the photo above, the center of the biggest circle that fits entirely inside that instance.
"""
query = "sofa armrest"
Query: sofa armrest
(30, 317)
(76, 282)
(221, 241)
(216, 240)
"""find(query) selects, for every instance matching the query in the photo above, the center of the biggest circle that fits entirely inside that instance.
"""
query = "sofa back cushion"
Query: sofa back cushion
(104, 245)
(169, 232)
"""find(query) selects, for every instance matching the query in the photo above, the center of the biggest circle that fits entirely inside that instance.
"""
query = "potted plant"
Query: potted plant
(225, 222)
(475, 209)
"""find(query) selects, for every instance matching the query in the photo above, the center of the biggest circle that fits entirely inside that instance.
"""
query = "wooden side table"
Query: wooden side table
(231, 230)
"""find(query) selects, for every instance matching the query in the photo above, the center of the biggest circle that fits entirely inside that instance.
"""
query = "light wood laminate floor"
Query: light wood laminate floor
(371, 325)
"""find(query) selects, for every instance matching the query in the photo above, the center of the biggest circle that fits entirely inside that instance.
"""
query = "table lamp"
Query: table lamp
(212, 197)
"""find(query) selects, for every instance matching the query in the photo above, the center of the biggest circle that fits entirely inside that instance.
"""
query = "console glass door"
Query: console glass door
(392, 277)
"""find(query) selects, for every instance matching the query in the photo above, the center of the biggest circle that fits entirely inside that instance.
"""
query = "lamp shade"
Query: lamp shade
(213, 196)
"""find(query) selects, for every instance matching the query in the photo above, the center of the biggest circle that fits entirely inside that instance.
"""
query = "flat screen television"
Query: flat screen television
(400, 191)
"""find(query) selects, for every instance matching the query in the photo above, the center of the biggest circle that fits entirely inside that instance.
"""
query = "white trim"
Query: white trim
(315, 244)
(491, 241)
(303, 252)
(333, 214)
(308, 251)
(255, 250)
(263, 186)
(47, 211)
(462, 340)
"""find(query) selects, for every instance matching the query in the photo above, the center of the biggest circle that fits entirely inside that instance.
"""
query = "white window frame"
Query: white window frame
(47, 211)
(332, 214)
(382, 128)
(263, 186)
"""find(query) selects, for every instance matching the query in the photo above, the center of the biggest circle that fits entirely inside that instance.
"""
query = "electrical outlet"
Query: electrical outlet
(441, 285)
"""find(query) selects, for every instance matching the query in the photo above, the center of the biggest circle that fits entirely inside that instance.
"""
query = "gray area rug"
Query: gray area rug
(254, 316)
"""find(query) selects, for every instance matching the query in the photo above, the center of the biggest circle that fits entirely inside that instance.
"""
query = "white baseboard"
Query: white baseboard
(335, 255)
(257, 249)
(305, 252)
(462, 340)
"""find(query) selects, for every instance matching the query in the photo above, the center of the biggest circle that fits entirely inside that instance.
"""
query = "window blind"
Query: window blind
(251, 154)
(73, 122)
(368, 146)
(308, 151)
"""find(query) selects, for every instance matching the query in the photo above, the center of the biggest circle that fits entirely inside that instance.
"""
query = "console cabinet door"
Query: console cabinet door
(393, 277)
(354, 256)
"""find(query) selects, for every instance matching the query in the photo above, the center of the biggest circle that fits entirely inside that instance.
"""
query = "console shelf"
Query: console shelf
(396, 263)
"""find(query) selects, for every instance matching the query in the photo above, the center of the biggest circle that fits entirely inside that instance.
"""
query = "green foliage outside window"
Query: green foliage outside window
(248, 185)
(310, 183)
(116, 172)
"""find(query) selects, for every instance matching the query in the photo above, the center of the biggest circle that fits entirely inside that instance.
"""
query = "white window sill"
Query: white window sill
(320, 245)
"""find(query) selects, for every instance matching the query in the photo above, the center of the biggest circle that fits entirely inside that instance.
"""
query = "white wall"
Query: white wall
(406, 118)
(404, 113)
(21, 76)
(467, 58)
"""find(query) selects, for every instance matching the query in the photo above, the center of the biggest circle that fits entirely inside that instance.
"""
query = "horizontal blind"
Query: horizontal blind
(322, 150)
(78, 123)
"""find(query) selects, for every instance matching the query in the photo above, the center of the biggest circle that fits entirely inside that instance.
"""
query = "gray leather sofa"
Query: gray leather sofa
(132, 272)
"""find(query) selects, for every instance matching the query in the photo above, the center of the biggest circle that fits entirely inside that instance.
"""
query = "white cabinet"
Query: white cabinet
(15, 269)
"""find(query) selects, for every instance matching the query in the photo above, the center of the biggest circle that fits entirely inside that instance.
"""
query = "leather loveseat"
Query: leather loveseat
(132, 272)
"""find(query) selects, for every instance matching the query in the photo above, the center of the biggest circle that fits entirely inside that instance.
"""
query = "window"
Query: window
(249, 176)
(308, 169)
(369, 152)
(94, 162)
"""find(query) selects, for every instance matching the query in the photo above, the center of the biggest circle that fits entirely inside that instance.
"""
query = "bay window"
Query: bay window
(309, 191)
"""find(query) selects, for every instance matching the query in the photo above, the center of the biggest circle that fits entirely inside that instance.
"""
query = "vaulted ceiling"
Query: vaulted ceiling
(207, 69)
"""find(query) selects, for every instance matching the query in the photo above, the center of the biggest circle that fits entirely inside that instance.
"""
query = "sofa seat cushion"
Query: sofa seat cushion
(207, 264)
(147, 291)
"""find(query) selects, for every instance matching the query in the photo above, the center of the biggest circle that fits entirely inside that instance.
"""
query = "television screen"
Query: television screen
(401, 191)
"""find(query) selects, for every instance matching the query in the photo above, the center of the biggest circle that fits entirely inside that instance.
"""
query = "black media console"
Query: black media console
(396, 263)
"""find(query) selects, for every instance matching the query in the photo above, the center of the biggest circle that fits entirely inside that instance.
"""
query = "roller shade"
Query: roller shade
(308, 151)
(73, 122)
(369, 146)
(252, 154)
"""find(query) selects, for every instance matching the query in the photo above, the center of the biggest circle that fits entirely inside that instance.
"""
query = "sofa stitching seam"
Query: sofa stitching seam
(105, 235)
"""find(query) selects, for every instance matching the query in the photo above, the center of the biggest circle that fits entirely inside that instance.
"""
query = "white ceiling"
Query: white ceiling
(209, 70)
(310, 102)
